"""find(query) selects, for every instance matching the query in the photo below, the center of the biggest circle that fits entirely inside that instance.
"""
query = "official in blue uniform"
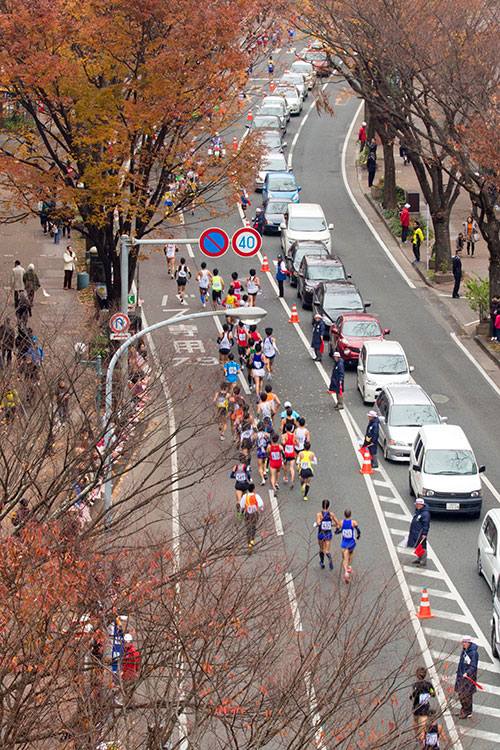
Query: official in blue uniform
(371, 437)
(467, 676)
(317, 337)
(337, 380)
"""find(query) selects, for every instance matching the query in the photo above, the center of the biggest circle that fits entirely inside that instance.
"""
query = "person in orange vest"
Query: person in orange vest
(251, 505)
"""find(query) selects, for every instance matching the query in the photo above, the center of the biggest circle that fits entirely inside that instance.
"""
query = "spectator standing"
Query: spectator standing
(7, 342)
(317, 337)
(67, 218)
(371, 437)
(372, 147)
(31, 283)
(362, 137)
(371, 167)
(337, 380)
(17, 281)
(131, 664)
(258, 221)
(419, 530)
(465, 684)
(417, 239)
(281, 273)
(457, 271)
(471, 230)
(494, 312)
(69, 258)
(405, 222)
(23, 310)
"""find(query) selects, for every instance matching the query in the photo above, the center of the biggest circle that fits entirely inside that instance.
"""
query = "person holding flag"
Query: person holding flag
(465, 683)
(337, 380)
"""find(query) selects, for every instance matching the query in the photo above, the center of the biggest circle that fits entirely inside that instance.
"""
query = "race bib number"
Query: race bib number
(326, 525)
(431, 739)
(424, 698)
(347, 533)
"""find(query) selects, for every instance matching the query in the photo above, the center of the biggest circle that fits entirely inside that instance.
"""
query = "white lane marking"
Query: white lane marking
(472, 323)
(488, 711)
(294, 604)
(476, 364)
(299, 131)
(276, 513)
(174, 466)
(360, 210)
(449, 615)
(493, 491)
(164, 300)
(482, 735)
(434, 592)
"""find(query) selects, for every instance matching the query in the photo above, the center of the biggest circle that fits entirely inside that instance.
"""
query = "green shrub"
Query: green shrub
(389, 213)
(478, 294)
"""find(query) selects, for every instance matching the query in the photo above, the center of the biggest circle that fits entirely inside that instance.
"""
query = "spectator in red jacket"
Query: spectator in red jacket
(362, 137)
(405, 222)
(131, 662)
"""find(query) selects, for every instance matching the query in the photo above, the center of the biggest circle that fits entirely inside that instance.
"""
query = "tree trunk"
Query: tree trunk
(390, 196)
(483, 211)
(442, 245)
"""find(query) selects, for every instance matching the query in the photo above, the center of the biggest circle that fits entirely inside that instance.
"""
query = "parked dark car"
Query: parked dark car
(274, 211)
(313, 270)
(334, 298)
(296, 252)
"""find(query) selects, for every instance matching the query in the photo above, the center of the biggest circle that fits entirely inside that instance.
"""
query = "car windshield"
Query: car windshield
(307, 224)
(274, 163)
(386, 364)
(412, 415)
(317, 56)
(266, 121)
(302, 67)
(283, 184)
(362, 328)
(271, 140)
(271, 109)
(322, 252)
(325, 273)
(349, 301)
(277, 207)
(296, 78)
(449, 462)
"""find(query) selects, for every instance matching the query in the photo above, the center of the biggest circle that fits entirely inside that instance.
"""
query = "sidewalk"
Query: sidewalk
(458, 309)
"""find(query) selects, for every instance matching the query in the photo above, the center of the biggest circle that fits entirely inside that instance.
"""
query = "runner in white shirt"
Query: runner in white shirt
(170, 250)
(204, 278)
(251, 505)
(270, 349)
(253, 287)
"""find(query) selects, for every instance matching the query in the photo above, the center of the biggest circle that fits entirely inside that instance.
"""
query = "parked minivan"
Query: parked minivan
(305, 221)
(381, 363)
(444, 470)
(403, 408)
(488, 549)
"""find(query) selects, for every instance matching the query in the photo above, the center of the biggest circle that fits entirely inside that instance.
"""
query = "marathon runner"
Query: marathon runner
(257, 361)
(231, 369)
(273, 398)
(242, 341)
(241, 475)
(221, 401)
(305, 461)
(324, 520)
(217, 288)
(349, 527)
(288, 443)
(288, 419)
(253, 286)
(270, 350)
(275, 455)
(225, 341)
(262, 441)
(251, 505)
(301, 434)
(204, 279)
(230, 303)
(265, 407)
(181, 274)
(170, 250)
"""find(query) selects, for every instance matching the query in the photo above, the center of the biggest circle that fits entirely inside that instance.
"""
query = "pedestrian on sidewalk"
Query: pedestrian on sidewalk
(281, 274)
(471, 230)
(457, 271)
(337, 380)
(372, 147)
(460, 241)
(69, 258)
(318, 336)
(371, 437)
(371, 166)
(405, 222)
(23, 310)
(494, 312)
(31, 283)
(419, 530)
(465, 684)
(67, 218)
(362, 137)
(131, 663)
(17, 281)
(418, 238)
(7, 342)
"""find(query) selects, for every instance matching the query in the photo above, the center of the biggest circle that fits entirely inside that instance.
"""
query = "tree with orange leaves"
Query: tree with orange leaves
(120, 99)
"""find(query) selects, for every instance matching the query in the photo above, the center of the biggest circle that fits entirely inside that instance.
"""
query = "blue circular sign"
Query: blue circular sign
(213, 242)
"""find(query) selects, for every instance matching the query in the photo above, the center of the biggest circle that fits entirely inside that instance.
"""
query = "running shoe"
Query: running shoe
(285, 480)
(331, 564)
(321, 565)
(262, 482)
(276, 487)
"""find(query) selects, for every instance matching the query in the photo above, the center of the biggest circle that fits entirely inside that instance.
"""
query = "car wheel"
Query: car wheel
(479, 566)
(385, 451)
(494, 649)
(410, 487)
(304, 304)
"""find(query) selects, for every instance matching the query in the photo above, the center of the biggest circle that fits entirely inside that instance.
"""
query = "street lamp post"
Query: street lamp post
(253, 314)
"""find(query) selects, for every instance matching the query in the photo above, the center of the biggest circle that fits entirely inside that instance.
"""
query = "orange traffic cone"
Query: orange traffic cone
(366, 467)
(235, 144)
(265, 265)
(424, 612)
(271, 87)
(247, 222)
(294, 317)
(250, 116)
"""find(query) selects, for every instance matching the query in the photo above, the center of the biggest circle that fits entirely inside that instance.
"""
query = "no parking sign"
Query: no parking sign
(213, 242)
(246, 242)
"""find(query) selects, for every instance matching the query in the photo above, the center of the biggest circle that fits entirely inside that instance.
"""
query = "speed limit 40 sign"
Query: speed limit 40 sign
(246, 242)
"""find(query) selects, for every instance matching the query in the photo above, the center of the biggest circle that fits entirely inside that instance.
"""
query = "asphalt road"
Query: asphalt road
(461, 599)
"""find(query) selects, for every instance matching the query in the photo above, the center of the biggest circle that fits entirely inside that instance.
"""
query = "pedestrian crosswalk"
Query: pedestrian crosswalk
(451, 619)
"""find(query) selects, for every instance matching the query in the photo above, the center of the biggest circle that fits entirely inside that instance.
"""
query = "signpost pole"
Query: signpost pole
(124, 254)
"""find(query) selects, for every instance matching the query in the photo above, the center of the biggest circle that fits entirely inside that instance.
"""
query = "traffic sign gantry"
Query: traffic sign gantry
(246, 242)
(213, 242)
(119, 323)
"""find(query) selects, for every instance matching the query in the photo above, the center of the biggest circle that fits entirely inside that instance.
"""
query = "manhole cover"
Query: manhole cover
(438, 398)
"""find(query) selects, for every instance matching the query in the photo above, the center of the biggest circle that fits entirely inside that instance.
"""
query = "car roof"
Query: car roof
(307, 209)
(314, 260)
(383, 347)
(407, 393)
(342, 286)
(444, 436)
(308, 243)
(281, 174)
(359, 316)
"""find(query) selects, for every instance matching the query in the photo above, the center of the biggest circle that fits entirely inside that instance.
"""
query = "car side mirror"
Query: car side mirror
(335, 330)
(411, 368)
(283, 226)
(349, 276)
(360, 368)
(284, 144)
(416, 467)
(368, 304)
(387, 331)
(482, 469)
(330, 226)
(381, 418)
(443, 419)
(299, 189)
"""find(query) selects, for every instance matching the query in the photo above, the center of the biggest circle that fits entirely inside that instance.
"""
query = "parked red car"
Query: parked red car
(350, 331)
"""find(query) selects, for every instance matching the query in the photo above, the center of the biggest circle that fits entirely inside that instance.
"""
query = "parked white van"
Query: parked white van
(444, 470)
(305, 221)
(381, 363)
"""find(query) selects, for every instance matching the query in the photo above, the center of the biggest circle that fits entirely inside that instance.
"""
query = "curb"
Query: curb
(484, 346)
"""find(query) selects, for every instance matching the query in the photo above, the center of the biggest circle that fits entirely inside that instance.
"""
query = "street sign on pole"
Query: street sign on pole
(119, 323)
(213, 242)
(246, 242)
(131, 301)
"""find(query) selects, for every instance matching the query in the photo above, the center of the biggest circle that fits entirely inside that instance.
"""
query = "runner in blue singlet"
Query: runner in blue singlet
(324, 521)
(348, 529)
